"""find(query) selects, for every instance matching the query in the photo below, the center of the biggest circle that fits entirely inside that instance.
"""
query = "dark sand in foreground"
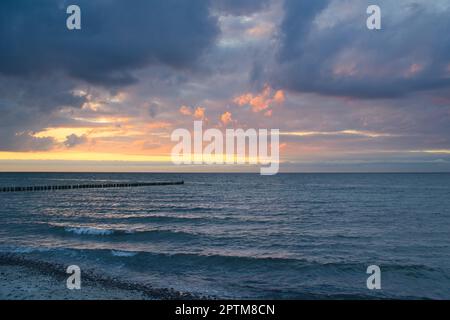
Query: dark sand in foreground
(22, 279)
(22, 283)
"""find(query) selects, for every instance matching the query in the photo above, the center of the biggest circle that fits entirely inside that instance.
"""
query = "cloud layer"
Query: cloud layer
(326, 48)
(116, 37)
(135, 71)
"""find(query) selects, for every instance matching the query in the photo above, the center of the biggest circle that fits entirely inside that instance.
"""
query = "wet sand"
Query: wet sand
(22, 283)
(22, 279)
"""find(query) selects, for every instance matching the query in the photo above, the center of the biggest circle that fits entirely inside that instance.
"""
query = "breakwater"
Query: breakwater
(87, 186)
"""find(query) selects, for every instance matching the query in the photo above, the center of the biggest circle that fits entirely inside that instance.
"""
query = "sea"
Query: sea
(239, 235)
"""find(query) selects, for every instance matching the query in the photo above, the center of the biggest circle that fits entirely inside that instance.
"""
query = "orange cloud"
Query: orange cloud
(199, 113)
(243, 99)
(185, 110)
(261, 101)
(279, 97)
(226, 118)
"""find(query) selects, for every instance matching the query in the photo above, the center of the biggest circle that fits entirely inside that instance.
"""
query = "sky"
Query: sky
(107, 97)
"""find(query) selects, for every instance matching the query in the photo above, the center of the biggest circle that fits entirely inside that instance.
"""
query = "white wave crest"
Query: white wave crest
(89, 231)
(123, 253)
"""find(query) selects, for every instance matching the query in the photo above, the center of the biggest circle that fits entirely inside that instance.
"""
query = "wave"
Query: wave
(183, 208)
(136, 234)
(118, 253)
(143, 261)
(272, 263)
(23, 249)
(102, 279)
(222, 259)
(89, 231)
(153, 218)
(182, 219)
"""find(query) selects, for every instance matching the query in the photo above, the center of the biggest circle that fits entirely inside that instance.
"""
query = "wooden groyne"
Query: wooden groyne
(87, 186)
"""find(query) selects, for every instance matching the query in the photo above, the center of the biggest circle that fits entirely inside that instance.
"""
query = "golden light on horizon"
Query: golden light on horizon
(83, 156)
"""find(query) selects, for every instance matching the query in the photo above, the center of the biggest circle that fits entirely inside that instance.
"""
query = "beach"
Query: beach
(22, 279)
(23, 283)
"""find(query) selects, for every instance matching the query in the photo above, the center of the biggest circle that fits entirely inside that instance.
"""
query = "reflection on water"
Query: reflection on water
(242, 235)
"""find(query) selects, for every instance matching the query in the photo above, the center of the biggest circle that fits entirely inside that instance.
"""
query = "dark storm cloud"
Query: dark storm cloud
(25, 142)
(41, 94)
(298, 18)
(27, 106)
(338, 55)
(239, 7)
(116, 37)
(41, 61)
(74, 140)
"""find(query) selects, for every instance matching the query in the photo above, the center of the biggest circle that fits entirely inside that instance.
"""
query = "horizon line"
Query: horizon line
(229, 172)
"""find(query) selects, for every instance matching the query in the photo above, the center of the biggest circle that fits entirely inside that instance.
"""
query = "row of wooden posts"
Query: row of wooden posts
(88, 186)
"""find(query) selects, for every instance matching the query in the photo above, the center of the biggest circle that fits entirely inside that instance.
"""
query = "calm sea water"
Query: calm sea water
(242, 235)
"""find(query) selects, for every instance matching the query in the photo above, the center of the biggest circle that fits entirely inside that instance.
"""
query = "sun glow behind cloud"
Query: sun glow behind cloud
(310, 70)
(83, 156)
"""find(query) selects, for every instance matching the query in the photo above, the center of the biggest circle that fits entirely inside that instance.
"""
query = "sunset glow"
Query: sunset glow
(328, 84)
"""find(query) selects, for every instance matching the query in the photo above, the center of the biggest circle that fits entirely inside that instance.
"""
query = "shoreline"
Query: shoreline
(22, 278)
(26, 279)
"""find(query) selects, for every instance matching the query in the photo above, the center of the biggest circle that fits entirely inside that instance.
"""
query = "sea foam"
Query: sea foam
(89, 231)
